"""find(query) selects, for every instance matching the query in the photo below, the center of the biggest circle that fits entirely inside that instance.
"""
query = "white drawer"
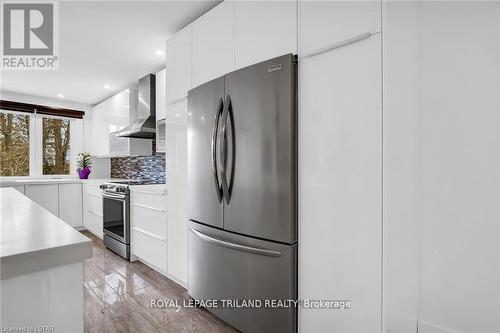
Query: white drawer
(93, 223)
(93, 204)
(154, 201)
(92, 190)
(151, 220)
(148, 248)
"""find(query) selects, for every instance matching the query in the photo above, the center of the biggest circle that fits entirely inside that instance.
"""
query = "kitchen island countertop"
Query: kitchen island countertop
(33, 239)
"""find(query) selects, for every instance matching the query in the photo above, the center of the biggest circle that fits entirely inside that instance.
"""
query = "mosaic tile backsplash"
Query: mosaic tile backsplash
(147, 168)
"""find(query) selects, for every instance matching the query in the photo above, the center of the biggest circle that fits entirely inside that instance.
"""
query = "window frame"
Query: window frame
(36, 147)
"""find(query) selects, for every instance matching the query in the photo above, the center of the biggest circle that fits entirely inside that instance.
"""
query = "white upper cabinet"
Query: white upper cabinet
(327, 22)
(161, 109)
(264, 30)
(161, 94)
(110, 116)
(213, 44)
(179, 65)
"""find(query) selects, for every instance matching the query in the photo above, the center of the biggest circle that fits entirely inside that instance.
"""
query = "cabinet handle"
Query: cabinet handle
(92, 212)
(149, 207)
(147, 233)
(162, 193)
(342, 43)
(177, 100)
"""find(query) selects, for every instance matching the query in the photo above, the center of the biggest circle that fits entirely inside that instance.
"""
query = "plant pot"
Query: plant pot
(84, 173)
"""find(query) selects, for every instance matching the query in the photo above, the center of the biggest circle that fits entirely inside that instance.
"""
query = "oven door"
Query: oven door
(116, 216)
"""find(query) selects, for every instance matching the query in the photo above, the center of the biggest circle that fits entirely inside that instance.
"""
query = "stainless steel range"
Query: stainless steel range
(116, 217)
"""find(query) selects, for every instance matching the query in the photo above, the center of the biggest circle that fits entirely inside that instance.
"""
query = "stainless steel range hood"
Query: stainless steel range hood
(145, 125)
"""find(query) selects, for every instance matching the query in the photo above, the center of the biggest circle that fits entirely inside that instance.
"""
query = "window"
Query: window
(56, 146)
(14, 144)
(39, 140)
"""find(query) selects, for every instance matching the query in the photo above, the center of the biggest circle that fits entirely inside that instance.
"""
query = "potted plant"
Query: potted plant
(84, 165)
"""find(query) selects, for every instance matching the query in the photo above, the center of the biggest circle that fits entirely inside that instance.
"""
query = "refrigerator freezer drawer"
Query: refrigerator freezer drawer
(225, 266)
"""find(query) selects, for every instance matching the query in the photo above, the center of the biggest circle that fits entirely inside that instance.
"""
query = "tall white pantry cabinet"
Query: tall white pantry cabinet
(340, 139)
(340, 164)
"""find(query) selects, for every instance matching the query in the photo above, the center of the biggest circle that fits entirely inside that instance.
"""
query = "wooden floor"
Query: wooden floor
(118, 294)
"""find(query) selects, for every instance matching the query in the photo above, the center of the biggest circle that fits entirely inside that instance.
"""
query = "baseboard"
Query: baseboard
(80, 228)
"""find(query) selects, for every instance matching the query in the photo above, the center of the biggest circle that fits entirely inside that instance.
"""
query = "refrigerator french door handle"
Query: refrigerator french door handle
(235, 246)
(223, 143)
(214, 148)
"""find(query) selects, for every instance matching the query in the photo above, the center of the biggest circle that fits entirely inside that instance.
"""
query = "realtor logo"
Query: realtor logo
(29, 35)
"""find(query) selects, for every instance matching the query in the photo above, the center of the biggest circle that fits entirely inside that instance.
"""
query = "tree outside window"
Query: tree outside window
(14, 144)
(56, 146)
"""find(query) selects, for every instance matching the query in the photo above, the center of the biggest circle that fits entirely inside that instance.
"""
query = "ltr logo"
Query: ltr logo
(28, 29)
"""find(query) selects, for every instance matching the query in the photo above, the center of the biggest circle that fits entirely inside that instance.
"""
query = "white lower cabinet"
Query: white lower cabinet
(44, 195)
(70, 204)
(148, 228)
(63, 200)
(177, 228)
(92, 209)
(19, 188)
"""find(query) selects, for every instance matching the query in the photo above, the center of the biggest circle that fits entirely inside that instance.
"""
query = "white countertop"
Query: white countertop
(14, 182)
(32, 239)
(43, 181)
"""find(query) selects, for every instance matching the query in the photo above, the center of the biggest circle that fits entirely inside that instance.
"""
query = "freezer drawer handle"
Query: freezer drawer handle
(239, 247)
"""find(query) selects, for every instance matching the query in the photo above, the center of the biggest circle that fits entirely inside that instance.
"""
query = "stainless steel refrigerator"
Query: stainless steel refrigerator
(242, 193)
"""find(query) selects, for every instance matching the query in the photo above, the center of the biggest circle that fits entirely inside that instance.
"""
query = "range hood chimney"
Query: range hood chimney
(145, 125)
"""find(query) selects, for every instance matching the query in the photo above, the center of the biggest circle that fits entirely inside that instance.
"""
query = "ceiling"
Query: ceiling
(106, 43)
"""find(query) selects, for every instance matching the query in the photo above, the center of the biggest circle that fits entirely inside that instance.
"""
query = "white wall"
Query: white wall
(441, 218)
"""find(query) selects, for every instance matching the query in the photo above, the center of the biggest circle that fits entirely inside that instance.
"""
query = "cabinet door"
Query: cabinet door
(213, 44)
(176, 159)
(323, 23)
(100, 130)
(176, 133)
(70, 204)
(176, 229)
(161, 94)
(264, 30)
(340, 168)
(179, 65)
(19, 188)
(92, 209)
(111, 116)
(44, 195)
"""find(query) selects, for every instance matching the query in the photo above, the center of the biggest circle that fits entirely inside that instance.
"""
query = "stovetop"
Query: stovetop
(122, 186)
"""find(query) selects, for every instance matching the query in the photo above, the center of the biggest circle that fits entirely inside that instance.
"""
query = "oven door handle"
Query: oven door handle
(113, 196)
